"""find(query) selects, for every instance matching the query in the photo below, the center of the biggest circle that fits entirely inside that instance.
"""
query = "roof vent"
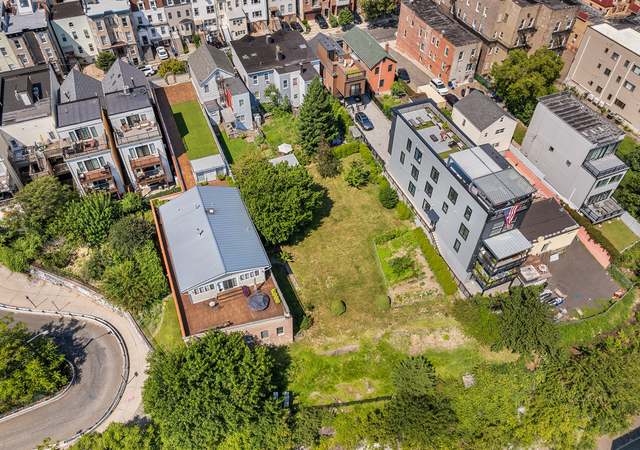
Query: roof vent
(211, 211)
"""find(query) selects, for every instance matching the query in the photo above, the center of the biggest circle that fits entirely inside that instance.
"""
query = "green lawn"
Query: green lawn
(402, 246)
(194, 130)
(627, 146)
(280, 130)
(618, 234)
(518, 134)
(168, 334)
(236, 148)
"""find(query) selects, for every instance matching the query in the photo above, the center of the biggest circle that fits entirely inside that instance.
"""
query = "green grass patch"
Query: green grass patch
(618, 233)
(626, 147)
(389, 101)
(586, 330)
(280, 129)
(392, 253)
(194, 130)
(518, 134)
(436, 263)
(236, 148)
(168, 335)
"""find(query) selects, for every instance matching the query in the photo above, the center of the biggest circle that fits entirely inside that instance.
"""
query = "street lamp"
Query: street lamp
(42, 333)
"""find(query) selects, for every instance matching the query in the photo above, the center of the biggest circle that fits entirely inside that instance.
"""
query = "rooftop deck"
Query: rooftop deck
(231, 309)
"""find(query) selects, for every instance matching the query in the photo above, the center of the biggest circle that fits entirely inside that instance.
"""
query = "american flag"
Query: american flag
(510, 214)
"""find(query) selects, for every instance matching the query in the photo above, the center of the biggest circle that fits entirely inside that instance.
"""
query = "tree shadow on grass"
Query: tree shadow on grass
(322, 212)
(282, 361)
(280, 271)
(183, 129)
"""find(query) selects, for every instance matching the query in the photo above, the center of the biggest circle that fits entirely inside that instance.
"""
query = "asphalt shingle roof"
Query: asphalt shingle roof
(209, 234)
(78, 86)
(207, 59)
(365, 47)
(122, 73)
(480, 109)
(80, 111)
(546, 218)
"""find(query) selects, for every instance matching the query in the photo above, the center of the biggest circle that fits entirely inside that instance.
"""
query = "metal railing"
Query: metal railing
(597, 173)
(132, 136)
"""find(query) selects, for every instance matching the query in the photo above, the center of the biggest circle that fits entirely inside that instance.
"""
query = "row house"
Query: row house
(444, 47)
(380, 66)
(283, 59)
(73, 32)
(308, 9)
(614, 8)
(112, 27)
(243, 17)
(10, 182)
(25, 38)
(504, 25)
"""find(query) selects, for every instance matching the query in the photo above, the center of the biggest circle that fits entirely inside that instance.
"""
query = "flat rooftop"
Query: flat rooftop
(452, 31)
(66, 10)
(273, 51)
(624, 34)
(589, 123)
(102, 7)
(25, 94)
(546, 218)
(17, 23)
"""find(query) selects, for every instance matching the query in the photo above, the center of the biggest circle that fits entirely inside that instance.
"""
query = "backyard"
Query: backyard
(167, 334)
(194, 130)
(618, 233)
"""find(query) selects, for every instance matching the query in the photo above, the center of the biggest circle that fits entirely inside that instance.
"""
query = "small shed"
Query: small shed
(285, 148)
(208, 168)
(289, 159)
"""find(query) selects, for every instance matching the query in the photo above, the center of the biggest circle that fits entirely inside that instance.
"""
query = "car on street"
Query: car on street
(364, 121)
(451, 99)
(403, 75)
(322, 22)
(286, 26)
(440, 86)
(162, 53)
(296, 26)
(148, 70)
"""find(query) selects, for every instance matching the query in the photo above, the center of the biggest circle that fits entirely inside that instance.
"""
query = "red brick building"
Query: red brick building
(341, 74)
(310, 8)
(380, 67)
(444, 47)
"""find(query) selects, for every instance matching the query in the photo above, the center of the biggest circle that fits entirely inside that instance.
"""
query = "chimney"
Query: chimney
(133, 83)
(277, 52)
(126, 89)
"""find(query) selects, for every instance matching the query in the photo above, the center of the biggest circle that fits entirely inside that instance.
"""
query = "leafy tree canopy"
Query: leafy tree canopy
(328, 163)
(316, 121)
(520, 79)
(121, 436)
(91, 217)
(105, 60)
(358, 175)
(345, 17)
(215, 393)
(281, 199)
(374, 9)
(127, 235)
(172, 66)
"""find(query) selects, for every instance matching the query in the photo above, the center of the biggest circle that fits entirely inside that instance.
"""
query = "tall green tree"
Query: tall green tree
(328, 164)
(127, 235)
(316, 121)
(374, 9)
(30, 366)
(345, 17)
(105, 60)
(122, 437)
(215, 393)
(281, 199)
(521, 78)
(91, 217)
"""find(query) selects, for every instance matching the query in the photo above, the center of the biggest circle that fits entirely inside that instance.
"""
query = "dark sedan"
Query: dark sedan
(403, 75)
(322, 22)
(296, 26)
(364, 121)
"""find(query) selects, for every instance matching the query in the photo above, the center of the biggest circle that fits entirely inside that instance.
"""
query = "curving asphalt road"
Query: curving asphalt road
(98, 359)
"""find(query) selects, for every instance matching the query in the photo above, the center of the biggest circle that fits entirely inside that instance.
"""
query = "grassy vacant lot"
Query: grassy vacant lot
(518, 134)
(236, 148)
(280, 130)
(167, 335)
(618, 233)
(395, 251)
(194, 130)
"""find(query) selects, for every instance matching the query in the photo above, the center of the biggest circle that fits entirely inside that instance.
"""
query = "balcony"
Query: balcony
(142, 132)
(74, 149)
(559, 32)
(603, 210)
(150, 177)
(603, 167)
(102, 173)
(144, 161)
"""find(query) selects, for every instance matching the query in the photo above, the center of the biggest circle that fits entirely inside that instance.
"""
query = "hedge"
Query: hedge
(593, 232)
(437, 264)
(344, 150)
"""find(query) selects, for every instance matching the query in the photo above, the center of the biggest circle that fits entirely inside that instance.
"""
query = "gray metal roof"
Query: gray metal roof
(290, 159)
(36, 83)
(209, 234)
(122, 74)
(207, 163)
(235, 85)
(327, 42)
(479, 109)
(17, 23)
(507, 244)
(78, 86)
(504, 186)
(206, 59)
(119, 102)
(80, 111)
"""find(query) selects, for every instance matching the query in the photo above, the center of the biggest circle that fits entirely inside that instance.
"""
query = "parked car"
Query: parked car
(296, 26)
(286, 26)
(403, 75)
(451, 99)
(357, 20)
(162, 53)
(322, 22)
(148, 70)
(364, 121)
(440, 86)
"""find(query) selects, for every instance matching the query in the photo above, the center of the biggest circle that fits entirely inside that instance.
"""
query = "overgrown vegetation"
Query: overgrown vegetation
(438, 266)
(628, 192)
(105, 60)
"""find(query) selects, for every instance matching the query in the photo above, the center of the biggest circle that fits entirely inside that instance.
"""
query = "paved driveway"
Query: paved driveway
(378, 137)
(419, 77)
(98, 359)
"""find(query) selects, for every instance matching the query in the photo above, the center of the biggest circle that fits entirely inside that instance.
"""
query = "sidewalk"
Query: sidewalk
(545, 191)
(46, 296)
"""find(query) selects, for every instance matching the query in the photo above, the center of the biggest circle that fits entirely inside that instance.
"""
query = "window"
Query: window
(43, 37)
(615, 56)
(409, 144)
(241, 102)
(456, 245)
(619, 104)
(417, 155)
(602, 182)
(607, 71)
(255, 79)
(568, 163)
(74, 35)
(196, 12)
(463, 232)
(467, 213)
(501, 130)
(3, 51)
(280, 331)
(425, 206)
(415, 173)
(179, 14)
(445, 207)
(266, 78)
(124, 21)
(86, 33)
(17, 43)
(435, 174)
(381, 83)
(598, 89)
(206, 88)
(428, 189)
(90, 47)
(402, 157)
(390, 68)
(636, 69)
(99, 25)
(629, 86)
(452, 196)
(616, 178)
(210, 9)
(285, 84)
(70, 24)
(412, 188)
(377, 71)
(264, 334)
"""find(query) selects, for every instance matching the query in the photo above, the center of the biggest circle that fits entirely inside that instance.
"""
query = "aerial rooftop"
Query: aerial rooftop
(206, 59)
(66, 10)
(25, 94)
(546, 218)
(479, 109)
(428, 11)
(365, 47)
(17, 23)
(624, 33)
(589, 123)
(102, 7)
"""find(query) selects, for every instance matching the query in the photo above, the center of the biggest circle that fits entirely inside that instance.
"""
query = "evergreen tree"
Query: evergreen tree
(316, 121)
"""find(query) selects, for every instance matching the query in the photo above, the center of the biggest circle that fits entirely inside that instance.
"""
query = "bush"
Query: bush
(95, 265)
(477, 319)
(358, 175)
(104, 60)
(347, 149)
(127, 235)
(403, 211)
(14, 260)
(328, 164)
(436, 263)
(132, 202)
(387, 196)
(383, 303)
(338, 307)
(400, 264)
(345, 17)
(333, 21)
(305, 24)
(398, 89)
(389, 236)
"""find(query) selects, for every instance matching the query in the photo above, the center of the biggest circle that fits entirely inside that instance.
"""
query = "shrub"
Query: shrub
(344, 150)
(127, 235)
(398, 89)
(387, 196)
(383, 303)
(477, 319)
(132, 202)
(328, 164)
(358, 175)
(95, 265)
(104, 60)
(403, 211)
(14, 260)
(400, 264)
(594, 232)
(305, 24)
(436, 263)
(389, 236)
(338, 307)
(345, 17)
(60, 256)
(333, 21)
